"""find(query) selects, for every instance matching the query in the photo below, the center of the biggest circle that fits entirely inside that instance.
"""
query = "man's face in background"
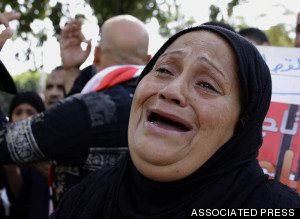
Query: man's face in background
(54, 91)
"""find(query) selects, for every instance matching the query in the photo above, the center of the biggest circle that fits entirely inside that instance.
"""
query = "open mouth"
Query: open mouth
(167, 123)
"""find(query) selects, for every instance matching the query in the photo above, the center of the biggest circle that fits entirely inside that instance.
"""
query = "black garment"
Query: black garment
(122, 192)
(85, 75)
(72, 131)
(78, 132)
(2, 183)
(7, 84)
(231, 178)
(33, 199)
(63, 177)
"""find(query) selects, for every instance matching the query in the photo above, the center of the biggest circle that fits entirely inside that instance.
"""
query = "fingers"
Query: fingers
(6, 34)
(6, 17)
(64, 32)
(72, 37)
(3, 20)
(72, 30)
(12, 15)
(67, 31)
(69, 43)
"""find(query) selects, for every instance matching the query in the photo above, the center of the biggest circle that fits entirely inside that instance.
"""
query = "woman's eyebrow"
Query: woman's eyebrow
(204, 59)
(177, 53)
(200, 59)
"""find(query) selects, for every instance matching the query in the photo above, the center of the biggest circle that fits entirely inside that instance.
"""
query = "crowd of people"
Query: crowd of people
(132, 136)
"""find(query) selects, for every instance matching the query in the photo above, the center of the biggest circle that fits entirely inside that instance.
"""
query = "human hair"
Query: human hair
(255, 34)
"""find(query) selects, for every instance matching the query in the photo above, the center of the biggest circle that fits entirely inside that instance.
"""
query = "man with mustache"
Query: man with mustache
(54, 91)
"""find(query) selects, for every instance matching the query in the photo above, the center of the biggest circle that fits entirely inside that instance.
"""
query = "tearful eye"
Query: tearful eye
(206, 86)
(163, 70)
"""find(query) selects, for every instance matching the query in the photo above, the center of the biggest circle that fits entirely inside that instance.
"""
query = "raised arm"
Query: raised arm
(72, 54)
(61, 134)
(71, 130)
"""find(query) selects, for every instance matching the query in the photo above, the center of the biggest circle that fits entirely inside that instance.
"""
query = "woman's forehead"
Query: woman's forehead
(203, 45)
(197, 36)
(197, 39)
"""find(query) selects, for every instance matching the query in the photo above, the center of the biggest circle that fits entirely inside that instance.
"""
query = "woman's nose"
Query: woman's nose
(175, 92)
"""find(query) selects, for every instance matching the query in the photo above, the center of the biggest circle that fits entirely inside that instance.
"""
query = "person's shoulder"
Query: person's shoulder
(122, 94)
(283, 196)
(127, 85)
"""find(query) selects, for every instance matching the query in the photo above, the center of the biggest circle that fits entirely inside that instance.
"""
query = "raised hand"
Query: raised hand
(72, 54)
(5, 18)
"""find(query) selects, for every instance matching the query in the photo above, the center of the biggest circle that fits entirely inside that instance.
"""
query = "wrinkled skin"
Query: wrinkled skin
(186, 108)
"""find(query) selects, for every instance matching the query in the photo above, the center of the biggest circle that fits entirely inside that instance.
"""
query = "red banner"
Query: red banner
(279, 155)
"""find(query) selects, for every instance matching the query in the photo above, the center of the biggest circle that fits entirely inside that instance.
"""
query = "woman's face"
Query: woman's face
(23, 111)
(186, 108)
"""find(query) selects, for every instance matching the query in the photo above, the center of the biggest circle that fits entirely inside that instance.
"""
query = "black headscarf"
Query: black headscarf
(29, 97)
(255, 79)
(231, 178)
